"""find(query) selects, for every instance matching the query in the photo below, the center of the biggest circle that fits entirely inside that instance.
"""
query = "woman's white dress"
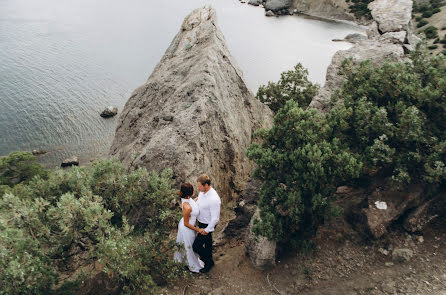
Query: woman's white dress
(186, 236)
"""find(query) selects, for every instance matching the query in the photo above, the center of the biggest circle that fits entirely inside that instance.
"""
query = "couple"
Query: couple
(198, 239)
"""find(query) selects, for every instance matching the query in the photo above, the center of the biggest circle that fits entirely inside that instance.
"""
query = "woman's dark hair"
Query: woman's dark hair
(186, 190)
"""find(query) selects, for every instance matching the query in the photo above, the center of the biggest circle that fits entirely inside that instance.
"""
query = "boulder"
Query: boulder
(382, 207)
(39, 152)
(195, 113)
(402, 255)
(73, 161)
(333, 9)
(421, 216)
(395, 37)
(109, 112)
(355, 37)
(277, 5)
(391, 15)
(261, 251)
(269, 13)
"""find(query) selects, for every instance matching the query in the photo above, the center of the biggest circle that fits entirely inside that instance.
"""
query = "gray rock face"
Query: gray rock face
(333, 9)
(395, 37)
(260, 250)
(375, 50)
(277, 5)
(391, 15)
(195, 113)
(390, 36)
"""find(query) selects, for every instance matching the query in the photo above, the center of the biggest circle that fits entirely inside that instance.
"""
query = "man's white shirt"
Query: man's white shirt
(209, 204)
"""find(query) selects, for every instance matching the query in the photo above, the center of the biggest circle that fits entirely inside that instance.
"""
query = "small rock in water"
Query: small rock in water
(39, 152)
(73, 161)
(269, 13)
(109, 112)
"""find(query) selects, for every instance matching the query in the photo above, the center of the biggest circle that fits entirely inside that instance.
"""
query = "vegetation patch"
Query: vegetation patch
(359, 8)
(52, 220)
(387, 122)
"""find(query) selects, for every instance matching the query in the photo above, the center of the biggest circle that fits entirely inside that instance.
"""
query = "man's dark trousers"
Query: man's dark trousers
(203, 246)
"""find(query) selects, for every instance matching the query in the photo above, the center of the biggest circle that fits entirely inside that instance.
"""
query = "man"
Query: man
(209, 204)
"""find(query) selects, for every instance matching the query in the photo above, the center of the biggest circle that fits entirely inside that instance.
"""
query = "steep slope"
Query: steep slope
(194, 114)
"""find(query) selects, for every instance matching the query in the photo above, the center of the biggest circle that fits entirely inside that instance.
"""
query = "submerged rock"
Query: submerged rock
(195, 113)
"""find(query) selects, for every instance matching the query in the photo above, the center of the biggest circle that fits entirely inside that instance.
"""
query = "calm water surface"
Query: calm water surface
(63, 61)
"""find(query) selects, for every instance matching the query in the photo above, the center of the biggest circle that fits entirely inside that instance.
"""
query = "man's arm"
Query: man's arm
(215, 214)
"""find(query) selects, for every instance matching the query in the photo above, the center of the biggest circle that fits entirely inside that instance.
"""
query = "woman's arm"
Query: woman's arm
(187, 209)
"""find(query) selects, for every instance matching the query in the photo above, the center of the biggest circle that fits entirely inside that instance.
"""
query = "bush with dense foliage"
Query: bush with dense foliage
(292, 85)
(387, 121)
(82, 212)
(394, 117)
(18, 167)
(300, 165)
(360, 8)
(431, 32)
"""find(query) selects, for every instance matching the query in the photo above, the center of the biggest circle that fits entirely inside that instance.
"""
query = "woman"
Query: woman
(187, 229)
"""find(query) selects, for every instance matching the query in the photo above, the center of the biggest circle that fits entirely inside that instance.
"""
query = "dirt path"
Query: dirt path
(342, 263)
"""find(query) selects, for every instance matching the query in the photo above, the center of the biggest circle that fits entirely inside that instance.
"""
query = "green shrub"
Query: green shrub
(387, 122)
(423, 7)
(436, 10)
(443, 41)
(394, 117)
(422, 23)
(19, 167)
(359, 9)
(295, 202)
(292, 85)
(70, 214)
(431, 32)
(432, 47)
(427, 14)
(418, 18)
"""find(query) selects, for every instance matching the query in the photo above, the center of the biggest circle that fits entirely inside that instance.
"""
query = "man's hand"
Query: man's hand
(202, 232)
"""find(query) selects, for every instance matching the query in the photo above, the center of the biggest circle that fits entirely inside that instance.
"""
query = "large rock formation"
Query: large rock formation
(194, 114)
(392, 15)
(390, 38)
(333, 9)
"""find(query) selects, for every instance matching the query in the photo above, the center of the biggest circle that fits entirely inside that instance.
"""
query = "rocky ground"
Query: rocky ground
(342, 262)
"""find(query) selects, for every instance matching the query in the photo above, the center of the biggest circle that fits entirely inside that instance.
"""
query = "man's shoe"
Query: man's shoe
(207, 267)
